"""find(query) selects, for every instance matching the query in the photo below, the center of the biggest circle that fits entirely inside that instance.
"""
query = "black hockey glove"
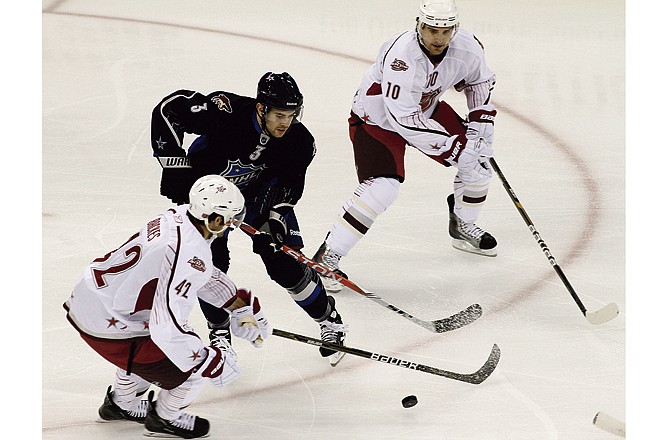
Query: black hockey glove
(276, 227)
(176, 183)
(265, 246)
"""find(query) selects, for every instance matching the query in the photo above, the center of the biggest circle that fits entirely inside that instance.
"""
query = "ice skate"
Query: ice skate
(327, 257)
(185, 426)
(333, 331)
(218, 332)
(469, 237)
(110, 411)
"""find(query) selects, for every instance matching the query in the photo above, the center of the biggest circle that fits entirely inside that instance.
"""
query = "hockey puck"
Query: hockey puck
(409, 401)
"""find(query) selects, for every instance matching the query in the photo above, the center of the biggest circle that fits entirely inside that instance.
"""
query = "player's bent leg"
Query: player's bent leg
(371, 198)
(306, 288)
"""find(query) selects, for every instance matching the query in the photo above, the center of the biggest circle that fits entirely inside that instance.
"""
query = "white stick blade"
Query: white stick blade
(607, 313)
(610, 424)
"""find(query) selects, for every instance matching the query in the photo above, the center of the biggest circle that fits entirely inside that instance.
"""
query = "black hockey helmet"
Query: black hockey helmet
(280, 91)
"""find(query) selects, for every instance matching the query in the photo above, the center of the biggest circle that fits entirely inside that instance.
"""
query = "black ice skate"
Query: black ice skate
(185, 426)
(218, 332)
(327, 257)
(469, 237)
(110, 411)
(333, 331)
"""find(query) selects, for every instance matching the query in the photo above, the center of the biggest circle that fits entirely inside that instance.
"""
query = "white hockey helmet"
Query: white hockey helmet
(216, 194)
(438, 13)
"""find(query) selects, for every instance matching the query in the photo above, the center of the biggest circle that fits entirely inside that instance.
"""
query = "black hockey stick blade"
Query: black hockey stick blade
(475, 378)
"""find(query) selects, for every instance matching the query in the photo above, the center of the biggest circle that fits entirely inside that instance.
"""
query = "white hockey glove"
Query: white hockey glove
(221, 365)
(480, 125)
(469, 156)
(249, 322)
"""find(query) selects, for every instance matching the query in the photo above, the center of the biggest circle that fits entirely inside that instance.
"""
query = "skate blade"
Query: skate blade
(335, 359)
(464, 246)
(331, 286)
(153, 434)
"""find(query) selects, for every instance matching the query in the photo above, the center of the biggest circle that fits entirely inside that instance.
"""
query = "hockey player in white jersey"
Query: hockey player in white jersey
(131, 306)
(398, 104)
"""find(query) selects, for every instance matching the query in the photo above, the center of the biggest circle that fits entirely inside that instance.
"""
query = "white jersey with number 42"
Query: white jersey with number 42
(149, 286)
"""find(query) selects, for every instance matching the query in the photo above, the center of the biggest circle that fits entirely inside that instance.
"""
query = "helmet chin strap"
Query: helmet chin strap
(214, 233)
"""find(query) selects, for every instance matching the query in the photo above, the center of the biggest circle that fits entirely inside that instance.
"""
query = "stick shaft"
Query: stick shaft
(453, 322)
(475, 378)
(538, 238)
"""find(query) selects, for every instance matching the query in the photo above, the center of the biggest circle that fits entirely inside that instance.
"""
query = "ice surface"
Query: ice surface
(560, 141)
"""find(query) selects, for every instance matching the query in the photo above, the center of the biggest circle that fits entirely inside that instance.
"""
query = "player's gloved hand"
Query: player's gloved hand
(276, 227)
(249, 322)
(221, 365)
(469, 156)
(265, 246)
(480, 125)
(175, 184)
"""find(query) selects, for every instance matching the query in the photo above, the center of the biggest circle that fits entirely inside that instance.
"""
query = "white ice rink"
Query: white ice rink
(560, 140)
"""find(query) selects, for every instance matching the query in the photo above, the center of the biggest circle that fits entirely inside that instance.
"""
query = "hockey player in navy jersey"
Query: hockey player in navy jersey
(261, 146)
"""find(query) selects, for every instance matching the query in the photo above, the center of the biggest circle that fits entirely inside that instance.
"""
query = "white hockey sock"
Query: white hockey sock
(371, 198)
(469, 199)
(169, 403)
(128, 390)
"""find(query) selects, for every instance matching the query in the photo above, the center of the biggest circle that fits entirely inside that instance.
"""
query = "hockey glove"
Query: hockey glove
(469, 156)
(276, 227)
(175, 184)
(264, 245)
(480, 125)
(249, 322)
(221, 365)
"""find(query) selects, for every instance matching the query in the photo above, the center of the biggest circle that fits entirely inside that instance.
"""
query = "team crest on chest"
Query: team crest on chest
(399, 65)
(428, 98)
(197, 264)
(241, 175)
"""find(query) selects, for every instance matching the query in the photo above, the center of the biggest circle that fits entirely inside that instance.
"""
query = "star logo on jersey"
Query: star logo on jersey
(197, 264)
(223, 103)
(112, 323)
(160, 143)
(195, 356)
(241, 175)
(146, 325)
(399, 65)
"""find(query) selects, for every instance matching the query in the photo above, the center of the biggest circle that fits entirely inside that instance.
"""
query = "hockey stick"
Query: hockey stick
(607, 313)
(453, 322)
(477, 377)
(609, 424)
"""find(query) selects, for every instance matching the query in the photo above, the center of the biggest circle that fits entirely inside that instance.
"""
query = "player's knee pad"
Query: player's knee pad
(377, 193)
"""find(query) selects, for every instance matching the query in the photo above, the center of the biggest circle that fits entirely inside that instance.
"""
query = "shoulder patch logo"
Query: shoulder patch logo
(222, 102)
(399, 65)
(197, 264)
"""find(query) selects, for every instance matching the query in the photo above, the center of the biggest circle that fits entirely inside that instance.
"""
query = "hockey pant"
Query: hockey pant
(140, 363)
(380, 163)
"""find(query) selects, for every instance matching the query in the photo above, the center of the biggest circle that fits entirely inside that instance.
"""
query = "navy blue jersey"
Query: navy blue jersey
(269, 171)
